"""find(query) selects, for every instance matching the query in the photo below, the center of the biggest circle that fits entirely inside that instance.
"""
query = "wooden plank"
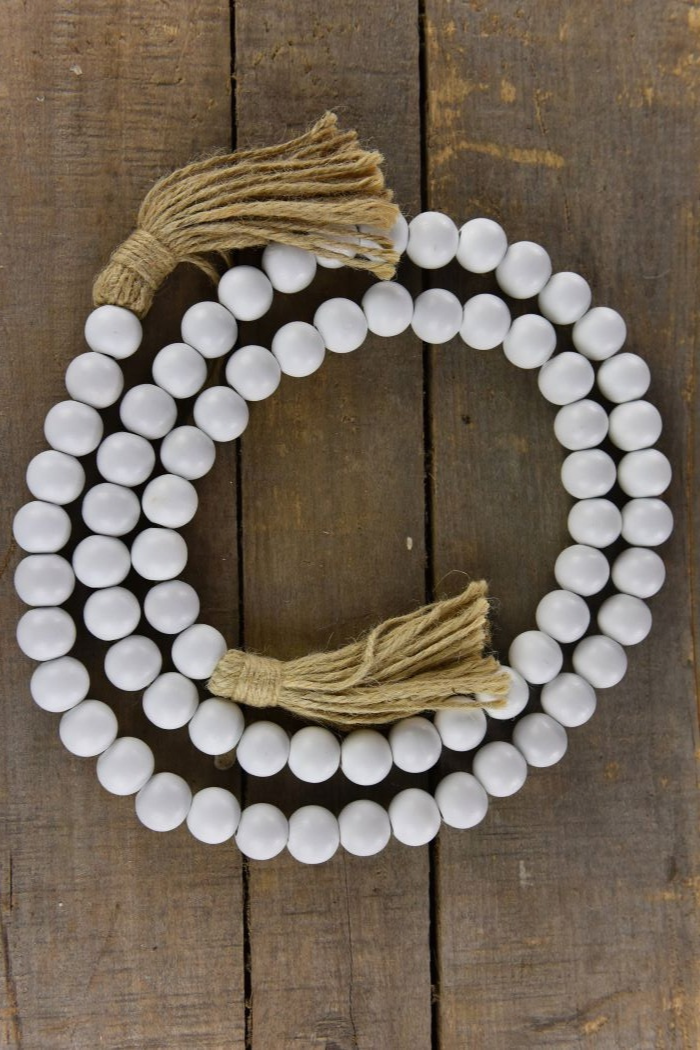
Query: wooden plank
(576, 921)
(332, 479)
(112, 935)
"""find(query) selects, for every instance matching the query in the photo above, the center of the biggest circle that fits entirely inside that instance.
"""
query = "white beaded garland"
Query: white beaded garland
(216, 726)
(187, 452)
(388, 308)
(635, 425)
(73, 428)
(263, 749)
(197, 651)
(644, 473)
(588, 473)
(462, 800)
(461, 729)
(213, 815)
(44, 579)
(180, 370)
(314, 754)
(415, 744)
(111, 613)
(101, 561)
(524, 270)
(289, 269)
(148, 410)
(638, 571)
(624, 377)
(485, 322)
(437, 316)
(563, 615)
(530, 341)
(170, 701)
(414, 816)
(41, 528)
(646, 522)
(365, 828)
(536, 656)
(582, 569)
(500, 768)
(114, 331)
(600, 660)
(570, 699)
(314, 835)
(625, 618)
(88, 729)
(170, 501)
(94, 379)
(133, 663)
(342, 325)
(600, 333)
(565, 298)
(59, 684)
(171, 607)
(253, 372)
(568, 377)
(125, 459)
(433, 239)
(365, 757)
(210, 329)
(55, 477)
(581, 425)
(596, 522)
(111, 510)
(221, 413)
(126, 766)
(299, 348)
(163, 802)
(246, 292)
(516, 701)
(482, 245)
(262, 831)
(541, 739)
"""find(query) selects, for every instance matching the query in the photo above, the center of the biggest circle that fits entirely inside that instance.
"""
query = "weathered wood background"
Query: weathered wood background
(570, 917)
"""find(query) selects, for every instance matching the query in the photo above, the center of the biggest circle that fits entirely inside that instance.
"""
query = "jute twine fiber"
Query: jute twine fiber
(312, 192)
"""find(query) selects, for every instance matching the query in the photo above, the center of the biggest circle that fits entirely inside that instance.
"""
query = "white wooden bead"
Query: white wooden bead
(541, 740)
(171, 607)
(565, 298)
(568, 377)
(581, 425)
(482, 245)
(289, 269)
(59, 684)
(516, 701)
(262, 831)
(170, 701)
(524, 270)
(596, 522)
(314, 754)
(624, 377)
(114, 331)
(644, 473)
(246, 292)
(398, 234)
(126, 766)
(163, 802)
(625, 618)
(299, 348)
(635, 425)
(148, 410)
(44, 579)
(600, 660)
(588, 473)
(638, 571)
(111, 613)
(214, 815)
(646, 522)
(73, 428)
(314, 835)
(485, 322)
(582, 569)
(221, 413)
(88, 729)
(462, 800)
(563, 615)
(415, 744)
(94, 379)
(253, 372)
(216, 726)
(461, 729)
(263, 749)
(500, 768)
(111, 510)
(41, 528)
(530, 341)
(197, 651)
(209, 328)
(55, 477)
(188, 452)
(388, 308)
(414, 816)
(433, 239)
(125, 459)
(133, 663)
(600, 333)
(437, 316)
(365, 828)
(536, 656)
(101, 561)
(365, 757)
(342, 325)
(170, 501)
(180, 370)
(570, 699)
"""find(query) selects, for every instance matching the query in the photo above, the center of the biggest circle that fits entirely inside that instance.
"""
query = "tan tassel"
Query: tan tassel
(312, 192)
(427, 660)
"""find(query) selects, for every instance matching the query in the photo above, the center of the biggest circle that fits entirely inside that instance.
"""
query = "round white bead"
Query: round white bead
(209, 328)
(88, 729)
(365, 828)
(221, 413)
(541, 740)
(414, 816)
(570, 699)
(253, 372)
(625, 377)
(214, 815)
(365, 757)
(94, 379)
(500, 768)
(314, 754)
(461, 729)
(263, 749)
(58, 685)
(437, 316)
(44, 579)
(342, 325)
(188, 452)
(289, 269)
(635, 425)
(179, 370)
(536, 656)
(197, 651)
(148, 410)
(516, 701)
(73, 428)
(163, 802)
(55, 477)
(625, 618)
(262, 831)
(41, 528)
(388, 308)
(314, 835)
(582, 569)
(101, 561)
(596, 522)
(111, 613)
(563, 615)
(600, 660)
(216, 726)
(133, 663)
(565, 298)
(530, 341)
(125, 767)
(111, 510)
(433, 239)
(246, 292)
(638, 571)
(581, 425)
(524, 270)
(170, 501)
(461, 799)
(114, 331)
(171, 607)
(588, 473)
(415, 744)
(485, 322)
(170, 701)
(299, 348)
(600, 333)
(398, 235)
(646, 522)
(482, 245)
(644, 473)
(125, 459)
(566, 378)
(159, 554)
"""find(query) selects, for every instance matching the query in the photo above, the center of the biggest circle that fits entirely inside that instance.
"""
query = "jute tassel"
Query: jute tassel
(312, 192)
(427, 660)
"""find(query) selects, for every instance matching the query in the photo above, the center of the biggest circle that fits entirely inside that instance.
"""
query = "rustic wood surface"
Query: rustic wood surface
(569, 918)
